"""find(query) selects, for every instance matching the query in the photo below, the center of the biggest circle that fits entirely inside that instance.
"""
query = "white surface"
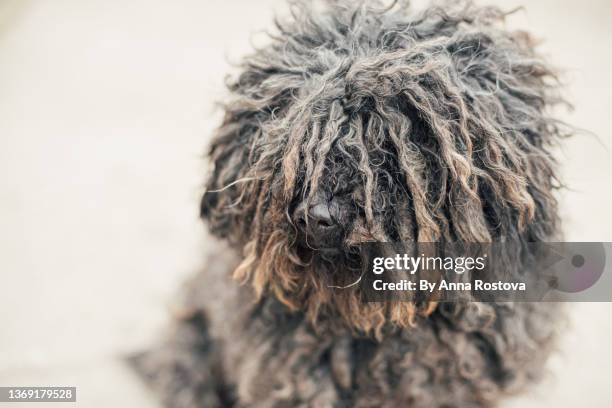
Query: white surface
(104, 111)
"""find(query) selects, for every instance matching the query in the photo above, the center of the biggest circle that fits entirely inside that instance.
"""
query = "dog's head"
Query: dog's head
(357, 124)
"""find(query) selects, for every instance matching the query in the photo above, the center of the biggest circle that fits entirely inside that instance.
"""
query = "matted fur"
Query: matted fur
(425, 126)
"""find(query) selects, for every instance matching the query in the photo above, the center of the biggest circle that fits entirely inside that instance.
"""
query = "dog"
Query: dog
(362, 122)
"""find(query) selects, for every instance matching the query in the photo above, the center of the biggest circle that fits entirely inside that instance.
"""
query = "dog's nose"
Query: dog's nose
(317, 223)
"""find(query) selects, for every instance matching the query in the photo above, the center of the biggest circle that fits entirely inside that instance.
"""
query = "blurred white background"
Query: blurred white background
(105, 109)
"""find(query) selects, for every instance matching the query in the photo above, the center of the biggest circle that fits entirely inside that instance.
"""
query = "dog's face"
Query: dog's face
(358, 125)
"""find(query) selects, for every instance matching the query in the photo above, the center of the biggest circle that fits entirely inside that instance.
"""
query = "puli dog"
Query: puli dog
(367, 122)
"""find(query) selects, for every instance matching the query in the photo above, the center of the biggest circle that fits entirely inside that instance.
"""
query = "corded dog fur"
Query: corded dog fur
(363, 122)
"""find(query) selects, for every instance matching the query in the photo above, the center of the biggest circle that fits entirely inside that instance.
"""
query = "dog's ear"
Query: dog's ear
(245, 150)
(503, 136)
(230, 181)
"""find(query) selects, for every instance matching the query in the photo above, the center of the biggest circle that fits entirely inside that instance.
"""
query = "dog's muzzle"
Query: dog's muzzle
(318, 228)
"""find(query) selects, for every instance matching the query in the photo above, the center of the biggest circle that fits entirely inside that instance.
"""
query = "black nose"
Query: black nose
(317, 224)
